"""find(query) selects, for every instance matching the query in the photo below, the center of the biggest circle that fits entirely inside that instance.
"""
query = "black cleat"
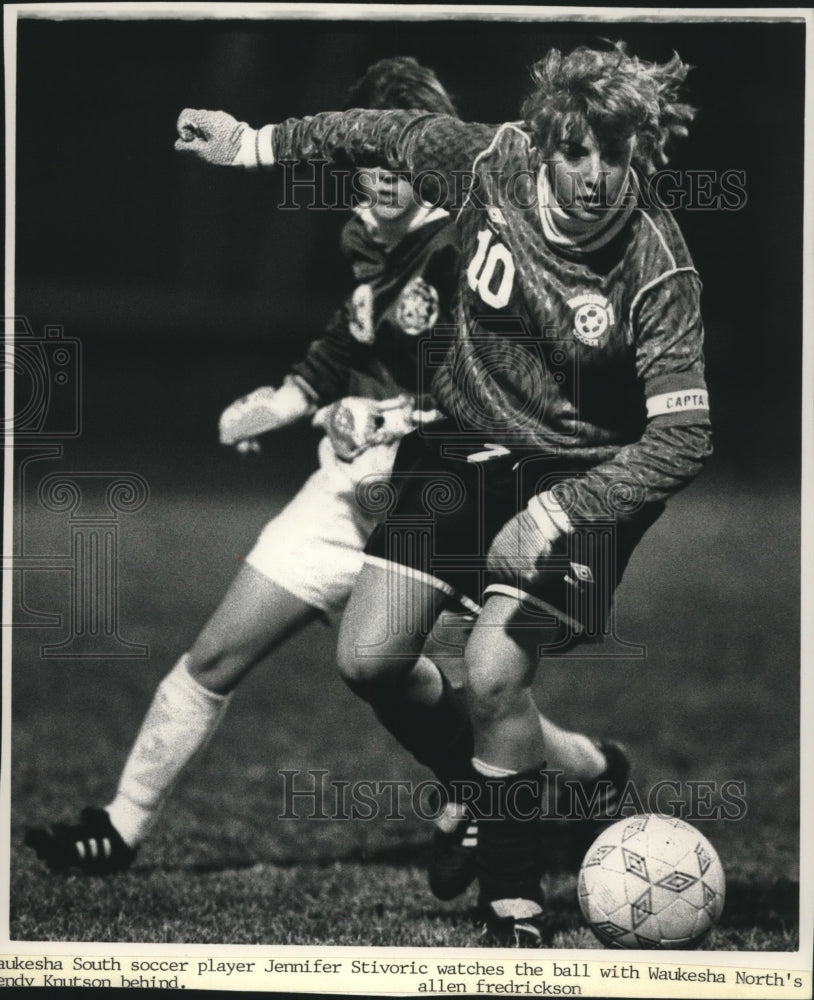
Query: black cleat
(93, 845)
(453, 867)
(514, 923)
(585, 808)
(602, 794)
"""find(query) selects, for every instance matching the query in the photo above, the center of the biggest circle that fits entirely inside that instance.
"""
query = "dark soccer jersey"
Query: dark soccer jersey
(370, 347)
(593, 358)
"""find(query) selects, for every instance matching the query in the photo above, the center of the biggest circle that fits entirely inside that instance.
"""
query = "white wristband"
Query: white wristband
(548, 513)
(255, 150)
(264, 150)
(246, 155)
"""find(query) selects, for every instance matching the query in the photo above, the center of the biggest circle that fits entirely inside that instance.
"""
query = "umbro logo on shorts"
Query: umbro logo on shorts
(581, 574)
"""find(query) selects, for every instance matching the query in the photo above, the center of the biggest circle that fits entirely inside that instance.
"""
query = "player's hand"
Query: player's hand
(355, 423)
(249, 416)
(528, 538)
(421, 418)
(263, 410)
(518, 547)
(216, 137)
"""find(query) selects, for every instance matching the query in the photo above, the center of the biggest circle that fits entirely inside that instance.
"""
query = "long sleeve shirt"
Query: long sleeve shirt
(595, 358)
(371, 346)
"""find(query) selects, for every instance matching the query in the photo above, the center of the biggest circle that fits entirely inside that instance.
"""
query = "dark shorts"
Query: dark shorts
(446, 502)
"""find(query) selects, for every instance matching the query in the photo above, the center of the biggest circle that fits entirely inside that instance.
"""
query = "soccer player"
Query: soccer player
(576, 399)
(405, 260)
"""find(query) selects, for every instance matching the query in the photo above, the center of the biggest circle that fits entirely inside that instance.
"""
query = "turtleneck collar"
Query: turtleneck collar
(577, 235)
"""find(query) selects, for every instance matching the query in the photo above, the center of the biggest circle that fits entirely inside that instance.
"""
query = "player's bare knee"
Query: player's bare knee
(363, 661)
(359, 668)
(492, 695)
(217, 670)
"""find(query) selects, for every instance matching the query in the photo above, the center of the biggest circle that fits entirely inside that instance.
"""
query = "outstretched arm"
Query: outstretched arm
(440, 147)
(265, 409)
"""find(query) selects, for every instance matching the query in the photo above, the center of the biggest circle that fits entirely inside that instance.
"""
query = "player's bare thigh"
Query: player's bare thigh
(385, 625)
(254, 617)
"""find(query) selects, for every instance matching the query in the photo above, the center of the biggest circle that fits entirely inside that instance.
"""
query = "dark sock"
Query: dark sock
(509, 853)
(439, 736)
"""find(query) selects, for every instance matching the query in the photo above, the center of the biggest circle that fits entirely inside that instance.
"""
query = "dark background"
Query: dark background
(187, 287)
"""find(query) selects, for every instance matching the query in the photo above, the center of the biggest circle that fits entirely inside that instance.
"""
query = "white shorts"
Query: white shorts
(313, 547)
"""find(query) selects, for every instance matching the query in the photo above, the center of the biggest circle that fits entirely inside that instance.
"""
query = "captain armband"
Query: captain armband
(693, 401)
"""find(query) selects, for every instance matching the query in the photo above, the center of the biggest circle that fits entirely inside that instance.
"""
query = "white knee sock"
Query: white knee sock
(180, 721)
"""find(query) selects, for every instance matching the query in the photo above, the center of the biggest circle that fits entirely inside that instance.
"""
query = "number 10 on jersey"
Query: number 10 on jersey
(491, 271)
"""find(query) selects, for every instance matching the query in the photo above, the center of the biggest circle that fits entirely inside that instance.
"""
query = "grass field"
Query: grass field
(711, 594)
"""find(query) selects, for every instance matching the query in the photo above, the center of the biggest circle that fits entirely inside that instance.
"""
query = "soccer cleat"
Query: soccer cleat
(93, 845)
(587, 807)
(453, 866)
(604, 793)
(514, 923)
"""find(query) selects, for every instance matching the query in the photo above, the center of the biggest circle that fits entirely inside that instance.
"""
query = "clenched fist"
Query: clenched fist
(216, 137)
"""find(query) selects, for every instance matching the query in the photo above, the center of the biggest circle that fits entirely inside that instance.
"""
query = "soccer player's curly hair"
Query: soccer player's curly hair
(400, 83)
(612, 93)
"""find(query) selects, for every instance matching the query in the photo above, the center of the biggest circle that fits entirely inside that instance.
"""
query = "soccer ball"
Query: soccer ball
(651, 882)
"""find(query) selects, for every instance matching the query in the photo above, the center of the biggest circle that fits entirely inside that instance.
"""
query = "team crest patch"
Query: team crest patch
(417, 307)
(360, 319)
(593, 315)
